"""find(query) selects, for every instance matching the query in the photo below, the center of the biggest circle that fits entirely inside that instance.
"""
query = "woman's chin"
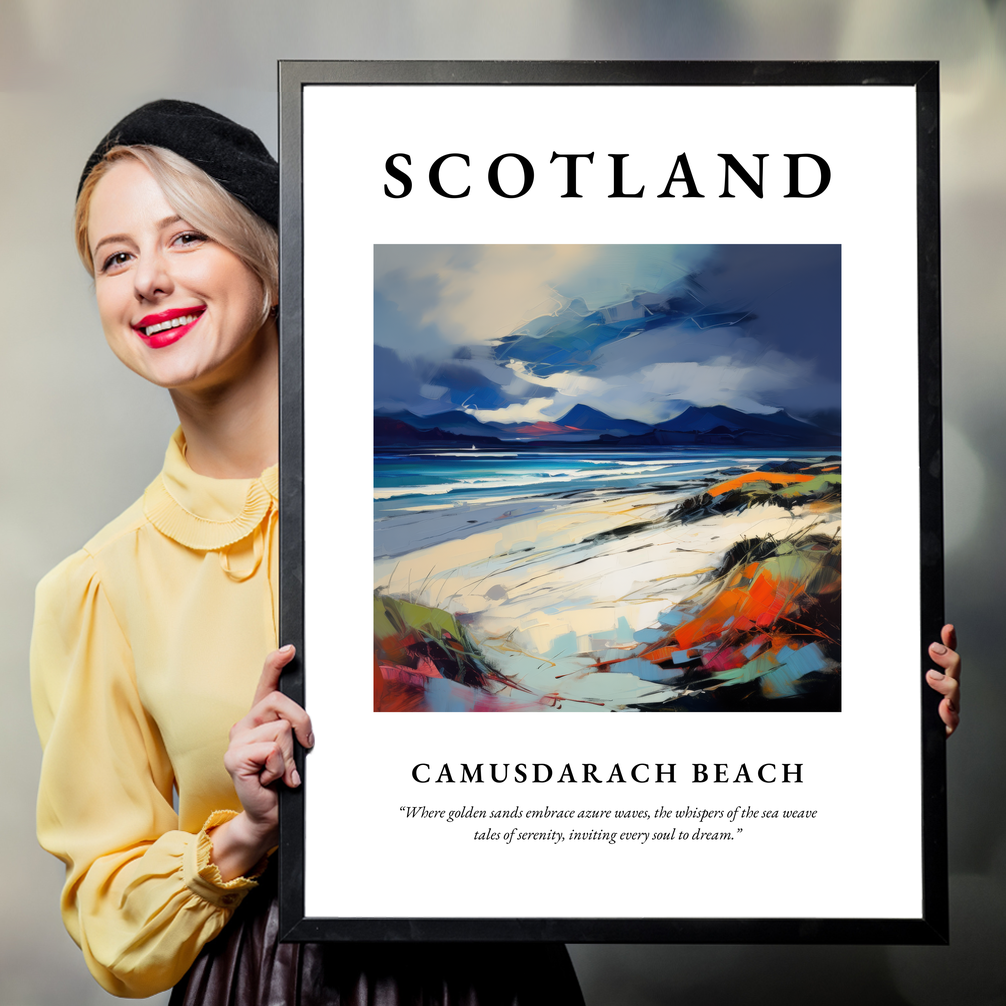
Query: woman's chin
(172, 374)
(197, 365)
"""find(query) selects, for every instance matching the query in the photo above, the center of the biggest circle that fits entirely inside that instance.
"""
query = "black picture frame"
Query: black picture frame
(931, 926)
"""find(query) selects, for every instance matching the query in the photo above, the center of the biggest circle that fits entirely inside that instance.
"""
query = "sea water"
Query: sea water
(424, 496)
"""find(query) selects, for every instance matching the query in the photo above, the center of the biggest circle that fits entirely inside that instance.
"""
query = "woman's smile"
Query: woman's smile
(159, 330)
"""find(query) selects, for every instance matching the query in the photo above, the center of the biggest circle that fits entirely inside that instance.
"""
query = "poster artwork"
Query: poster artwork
(607, 478)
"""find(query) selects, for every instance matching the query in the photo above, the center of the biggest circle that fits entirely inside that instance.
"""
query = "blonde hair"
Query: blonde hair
(199, 200)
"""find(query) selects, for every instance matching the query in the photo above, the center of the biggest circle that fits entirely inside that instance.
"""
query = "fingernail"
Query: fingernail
(938, 648)
(310, 740)
(936, 675)
(287, 649)
(295, 777)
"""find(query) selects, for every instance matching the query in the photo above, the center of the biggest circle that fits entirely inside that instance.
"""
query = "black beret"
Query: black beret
(231, 154)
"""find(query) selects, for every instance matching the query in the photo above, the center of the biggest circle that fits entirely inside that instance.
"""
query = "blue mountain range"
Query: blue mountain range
(712, 425)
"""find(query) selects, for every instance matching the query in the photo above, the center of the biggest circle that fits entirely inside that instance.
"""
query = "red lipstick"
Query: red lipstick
(165, 333)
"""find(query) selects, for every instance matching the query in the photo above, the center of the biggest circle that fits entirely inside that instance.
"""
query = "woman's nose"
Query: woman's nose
(152, 277)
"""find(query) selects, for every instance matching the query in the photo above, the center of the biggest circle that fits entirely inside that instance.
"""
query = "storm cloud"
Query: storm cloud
(523, 333)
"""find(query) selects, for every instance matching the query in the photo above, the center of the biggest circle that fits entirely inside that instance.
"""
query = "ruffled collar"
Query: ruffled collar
(203, 513)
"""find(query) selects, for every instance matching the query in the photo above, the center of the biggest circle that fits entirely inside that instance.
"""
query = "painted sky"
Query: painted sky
(515, 333)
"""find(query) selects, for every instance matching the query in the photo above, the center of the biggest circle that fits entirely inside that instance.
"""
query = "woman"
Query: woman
(148, 643)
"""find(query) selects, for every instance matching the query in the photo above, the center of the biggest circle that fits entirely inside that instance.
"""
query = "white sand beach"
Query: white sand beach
(546, 595)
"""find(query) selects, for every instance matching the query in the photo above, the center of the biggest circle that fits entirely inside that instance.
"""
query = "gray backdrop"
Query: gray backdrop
(83, 436)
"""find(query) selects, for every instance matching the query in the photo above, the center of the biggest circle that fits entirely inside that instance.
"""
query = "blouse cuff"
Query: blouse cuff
(202, 876)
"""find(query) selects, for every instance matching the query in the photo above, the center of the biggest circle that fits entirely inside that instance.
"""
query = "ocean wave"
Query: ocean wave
(590, 478)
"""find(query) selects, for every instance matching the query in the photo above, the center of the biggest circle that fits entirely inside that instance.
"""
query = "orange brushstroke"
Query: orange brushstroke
(661, 653)
(823, 506)
(757, 606)
(773, 478)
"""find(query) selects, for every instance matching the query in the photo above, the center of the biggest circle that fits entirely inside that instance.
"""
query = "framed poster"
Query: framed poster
(650, 352)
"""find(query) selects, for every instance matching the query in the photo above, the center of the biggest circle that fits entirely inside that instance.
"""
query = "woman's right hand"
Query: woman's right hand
(260, 753)
(948, 681)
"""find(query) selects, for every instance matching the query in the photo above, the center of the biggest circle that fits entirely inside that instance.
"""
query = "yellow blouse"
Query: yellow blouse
(147, 647)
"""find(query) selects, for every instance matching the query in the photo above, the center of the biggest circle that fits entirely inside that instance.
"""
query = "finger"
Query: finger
(949, 636)
(276, 706)
(271, 670)
(277, 732)
(948, 659)
(949, 708)
(944, 684)
(261, 760)
(274, 765)
(950, 716)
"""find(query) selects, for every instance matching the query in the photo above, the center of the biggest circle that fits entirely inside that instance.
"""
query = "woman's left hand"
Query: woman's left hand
(948, 681)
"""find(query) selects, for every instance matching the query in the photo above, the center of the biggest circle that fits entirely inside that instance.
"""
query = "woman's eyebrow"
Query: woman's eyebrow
(160, 225)
(109, 240)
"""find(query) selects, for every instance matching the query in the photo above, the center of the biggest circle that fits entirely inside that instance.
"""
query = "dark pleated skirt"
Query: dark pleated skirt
(246, 965)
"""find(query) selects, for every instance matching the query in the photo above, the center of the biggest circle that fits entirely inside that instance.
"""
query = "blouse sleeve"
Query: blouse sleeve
(141, 898)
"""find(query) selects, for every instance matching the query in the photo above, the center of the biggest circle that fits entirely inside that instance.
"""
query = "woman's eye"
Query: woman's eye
(114, 261)
(190, 238)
